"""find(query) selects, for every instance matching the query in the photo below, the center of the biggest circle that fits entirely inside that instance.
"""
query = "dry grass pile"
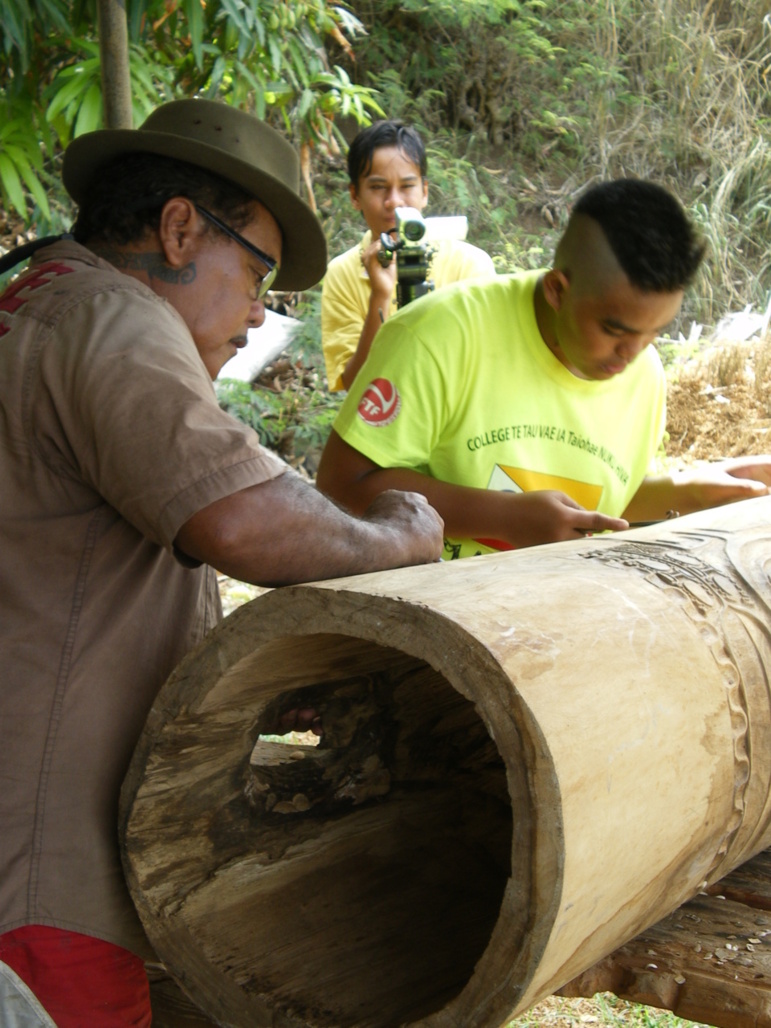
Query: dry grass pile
(719, 403)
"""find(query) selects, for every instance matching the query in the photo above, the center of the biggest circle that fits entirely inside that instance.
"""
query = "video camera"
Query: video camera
(411, 241)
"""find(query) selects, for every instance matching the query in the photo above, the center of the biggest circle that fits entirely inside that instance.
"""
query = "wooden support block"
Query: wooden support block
(709, 961)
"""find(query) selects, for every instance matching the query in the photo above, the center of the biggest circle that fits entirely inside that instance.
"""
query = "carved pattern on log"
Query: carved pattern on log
(724, 605)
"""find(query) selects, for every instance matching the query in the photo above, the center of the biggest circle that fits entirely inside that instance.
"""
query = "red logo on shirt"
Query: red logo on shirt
(32, 279)
(380, 403)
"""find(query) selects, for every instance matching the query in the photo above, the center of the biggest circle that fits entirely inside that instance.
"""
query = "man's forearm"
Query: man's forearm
(461, 507)
(283, 532)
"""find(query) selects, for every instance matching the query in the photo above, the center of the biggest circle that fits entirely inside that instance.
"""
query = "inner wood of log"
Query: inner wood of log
(356, 882)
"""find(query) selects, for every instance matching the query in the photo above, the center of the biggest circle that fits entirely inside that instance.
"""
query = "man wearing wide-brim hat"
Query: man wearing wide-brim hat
(124, 484)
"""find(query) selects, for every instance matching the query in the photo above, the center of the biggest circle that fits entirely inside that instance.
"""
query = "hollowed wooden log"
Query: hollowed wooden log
(528, 758)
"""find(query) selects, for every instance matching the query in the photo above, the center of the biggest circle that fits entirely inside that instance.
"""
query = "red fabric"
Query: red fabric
(81, 981)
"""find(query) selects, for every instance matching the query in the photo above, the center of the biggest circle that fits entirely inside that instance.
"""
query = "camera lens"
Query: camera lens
(413, 231)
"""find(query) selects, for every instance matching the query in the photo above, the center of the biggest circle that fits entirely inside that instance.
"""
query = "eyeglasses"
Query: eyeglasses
(271, 266)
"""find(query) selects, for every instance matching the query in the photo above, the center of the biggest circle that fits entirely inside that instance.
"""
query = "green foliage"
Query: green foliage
(23, 23)
(607, 1011)
(293, 422)
(268, 56)
(503, 68)
(21, 161)
(522, 102)
(74, 97)
(305, 348)
(260, 409)
(525, 103)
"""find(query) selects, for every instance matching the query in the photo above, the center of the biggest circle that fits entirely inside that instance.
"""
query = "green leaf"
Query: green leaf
(136, 16)
(261, 30)
(31, 180)
(194, 15)
(252, 80)
(341, 76)
(13, 25)
(17, 156)
(275, 53)
(90, 113)
(217, 73)
(67, 86)
(234, 13)
(298, 60)
(22, 134)
(141, 74)
(9, 177)
(54, 15)
(307, 100)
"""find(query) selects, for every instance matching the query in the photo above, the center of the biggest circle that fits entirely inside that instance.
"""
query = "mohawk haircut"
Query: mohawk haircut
(648, 231)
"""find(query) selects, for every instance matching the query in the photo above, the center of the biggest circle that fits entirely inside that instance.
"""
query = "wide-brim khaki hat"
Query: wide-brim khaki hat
(234, 145)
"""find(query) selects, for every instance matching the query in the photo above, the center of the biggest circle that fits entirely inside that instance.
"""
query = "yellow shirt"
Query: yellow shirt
(463, 388)
(346, 291)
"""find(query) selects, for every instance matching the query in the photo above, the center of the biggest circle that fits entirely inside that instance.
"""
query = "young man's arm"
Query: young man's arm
(700, 487)
(520, 519)
(382, 281)
(284, 531)
(352, 310)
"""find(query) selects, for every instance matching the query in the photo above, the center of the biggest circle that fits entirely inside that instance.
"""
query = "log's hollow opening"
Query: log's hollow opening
(375, 864)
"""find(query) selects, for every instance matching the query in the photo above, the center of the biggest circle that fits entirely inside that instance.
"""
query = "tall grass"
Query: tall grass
(701, 123)
(673, 90)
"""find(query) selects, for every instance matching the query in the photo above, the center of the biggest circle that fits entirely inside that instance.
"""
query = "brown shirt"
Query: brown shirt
(110, 439)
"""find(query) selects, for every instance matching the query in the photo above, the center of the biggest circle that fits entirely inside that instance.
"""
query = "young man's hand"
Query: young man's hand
(382, 279)
(549, 516)
(701, 486)
(739, 478)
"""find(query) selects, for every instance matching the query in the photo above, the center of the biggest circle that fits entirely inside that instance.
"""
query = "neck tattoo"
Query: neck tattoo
(152, 264)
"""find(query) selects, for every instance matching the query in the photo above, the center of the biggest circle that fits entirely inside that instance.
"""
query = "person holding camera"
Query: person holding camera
(528, 408)
(387, 169)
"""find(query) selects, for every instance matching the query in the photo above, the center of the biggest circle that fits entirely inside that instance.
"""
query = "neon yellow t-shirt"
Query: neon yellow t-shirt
(461, 386)
(346, 290)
